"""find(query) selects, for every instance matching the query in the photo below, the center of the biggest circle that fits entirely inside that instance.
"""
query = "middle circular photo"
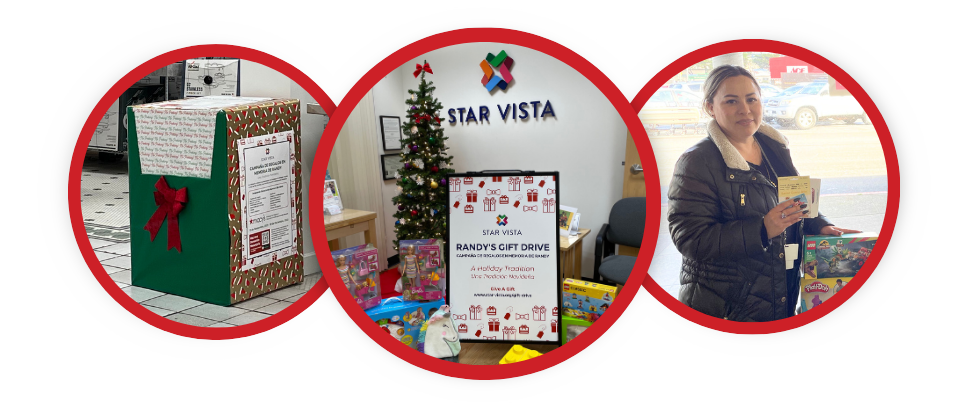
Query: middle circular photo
(485, 203)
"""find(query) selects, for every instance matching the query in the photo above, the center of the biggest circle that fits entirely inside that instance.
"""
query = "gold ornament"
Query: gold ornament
(414, 130)
(433, 185)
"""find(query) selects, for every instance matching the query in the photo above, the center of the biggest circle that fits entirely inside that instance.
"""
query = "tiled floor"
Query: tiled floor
(107, 221)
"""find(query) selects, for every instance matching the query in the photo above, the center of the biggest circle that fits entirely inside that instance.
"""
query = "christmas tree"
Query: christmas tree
(420, 183)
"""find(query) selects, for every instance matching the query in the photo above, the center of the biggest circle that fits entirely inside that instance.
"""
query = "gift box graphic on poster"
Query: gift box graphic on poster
(216, 197)
(503, 256)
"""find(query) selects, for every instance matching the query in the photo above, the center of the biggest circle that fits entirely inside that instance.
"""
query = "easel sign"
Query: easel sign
(503, 255)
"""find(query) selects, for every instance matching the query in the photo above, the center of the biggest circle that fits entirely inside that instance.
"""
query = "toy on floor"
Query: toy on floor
(438, 337)
(518, 354)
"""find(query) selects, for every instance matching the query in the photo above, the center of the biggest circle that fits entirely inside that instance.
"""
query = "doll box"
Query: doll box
(216, 197)
(582, 298)
(360, 274)
(430, 281)
(817, 291)
(402, 319)
(836, 256)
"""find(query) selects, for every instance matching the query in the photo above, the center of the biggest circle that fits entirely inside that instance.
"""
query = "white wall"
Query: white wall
(389, 100)
(259, 80)
(585, 141)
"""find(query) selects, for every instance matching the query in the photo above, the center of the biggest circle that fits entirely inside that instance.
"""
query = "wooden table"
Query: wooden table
(571, 254)
(350, 222)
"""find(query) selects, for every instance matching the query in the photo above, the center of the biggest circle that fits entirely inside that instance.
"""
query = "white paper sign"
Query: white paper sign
(105, 134)
(207, 77)
(503, 258)
(267, 187)
(175, 142)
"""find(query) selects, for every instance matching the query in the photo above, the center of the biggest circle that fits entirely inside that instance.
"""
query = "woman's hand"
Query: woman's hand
(837, 231)
(782, 216)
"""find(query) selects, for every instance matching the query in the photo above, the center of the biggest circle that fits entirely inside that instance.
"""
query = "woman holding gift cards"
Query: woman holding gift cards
(724, 213)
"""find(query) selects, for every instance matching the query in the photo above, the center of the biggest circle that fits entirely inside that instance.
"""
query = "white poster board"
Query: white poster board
(503, 256)
(267, 183)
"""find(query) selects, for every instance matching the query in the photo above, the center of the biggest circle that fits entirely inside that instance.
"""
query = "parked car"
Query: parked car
(805, 106)
(694, 87)
(769, 91)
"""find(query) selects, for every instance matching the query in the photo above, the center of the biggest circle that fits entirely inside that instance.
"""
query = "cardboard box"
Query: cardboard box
(836, 256)
(233, 238)
(817, 291)
(587, 301)
(571, 327)
(402, 319)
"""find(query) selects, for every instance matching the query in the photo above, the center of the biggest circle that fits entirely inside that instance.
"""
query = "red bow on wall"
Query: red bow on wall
(170, 202)
(420, 68)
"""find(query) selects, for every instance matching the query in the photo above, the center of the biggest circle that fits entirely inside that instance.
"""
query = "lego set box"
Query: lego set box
(587, 301)
(402, 319)
(836, 256)
(216, 197)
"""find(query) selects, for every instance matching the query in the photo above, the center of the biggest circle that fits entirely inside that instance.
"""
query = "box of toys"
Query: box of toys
(422, 269)
(836, 256)
(830, 262)
(817, 291)
(585, 300)
(402, 319)
(359, 269)
(571, 327)
(216, 197)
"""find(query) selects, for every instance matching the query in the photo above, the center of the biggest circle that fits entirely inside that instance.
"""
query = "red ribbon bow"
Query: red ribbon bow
(170, 202)
(420, 68)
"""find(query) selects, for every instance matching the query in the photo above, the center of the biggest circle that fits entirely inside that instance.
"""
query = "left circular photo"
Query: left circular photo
(187, 191)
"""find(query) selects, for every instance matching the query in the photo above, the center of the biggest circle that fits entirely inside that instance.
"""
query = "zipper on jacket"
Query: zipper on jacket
(742, 199)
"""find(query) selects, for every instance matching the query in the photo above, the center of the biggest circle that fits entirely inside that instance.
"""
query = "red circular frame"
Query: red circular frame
(77, 164)
(892, 170)
(602, 83)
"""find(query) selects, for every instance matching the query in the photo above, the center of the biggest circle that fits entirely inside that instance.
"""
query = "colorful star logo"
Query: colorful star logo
(501, 220)
(502, 63)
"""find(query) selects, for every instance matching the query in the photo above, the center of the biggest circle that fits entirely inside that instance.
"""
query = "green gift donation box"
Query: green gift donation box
(216, 197)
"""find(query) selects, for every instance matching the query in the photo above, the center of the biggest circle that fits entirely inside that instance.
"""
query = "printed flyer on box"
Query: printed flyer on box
(503, 259)
(267, 185)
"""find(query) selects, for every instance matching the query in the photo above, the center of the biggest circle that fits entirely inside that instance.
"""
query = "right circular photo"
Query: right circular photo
(779, 185)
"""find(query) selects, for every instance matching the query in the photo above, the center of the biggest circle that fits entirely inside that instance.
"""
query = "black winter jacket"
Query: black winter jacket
(716, 209)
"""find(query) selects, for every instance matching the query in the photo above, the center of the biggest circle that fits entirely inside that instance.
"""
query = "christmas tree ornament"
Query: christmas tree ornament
(413, 212)
(407, 166)
(442, 181)
(434, 169)
(414, 148)
(398, 223)
(433, 185)
(432, 140)
(414, 130)
(401, 207)
(413, 97)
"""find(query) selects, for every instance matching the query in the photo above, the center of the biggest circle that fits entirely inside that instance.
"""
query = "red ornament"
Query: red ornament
(434, 169)
(413, 212)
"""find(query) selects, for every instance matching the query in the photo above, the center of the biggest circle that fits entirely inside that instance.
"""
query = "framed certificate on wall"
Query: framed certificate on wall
(390, 164)
(391, 132)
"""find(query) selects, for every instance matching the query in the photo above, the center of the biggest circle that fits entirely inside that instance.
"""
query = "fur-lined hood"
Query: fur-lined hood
(732, 157)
